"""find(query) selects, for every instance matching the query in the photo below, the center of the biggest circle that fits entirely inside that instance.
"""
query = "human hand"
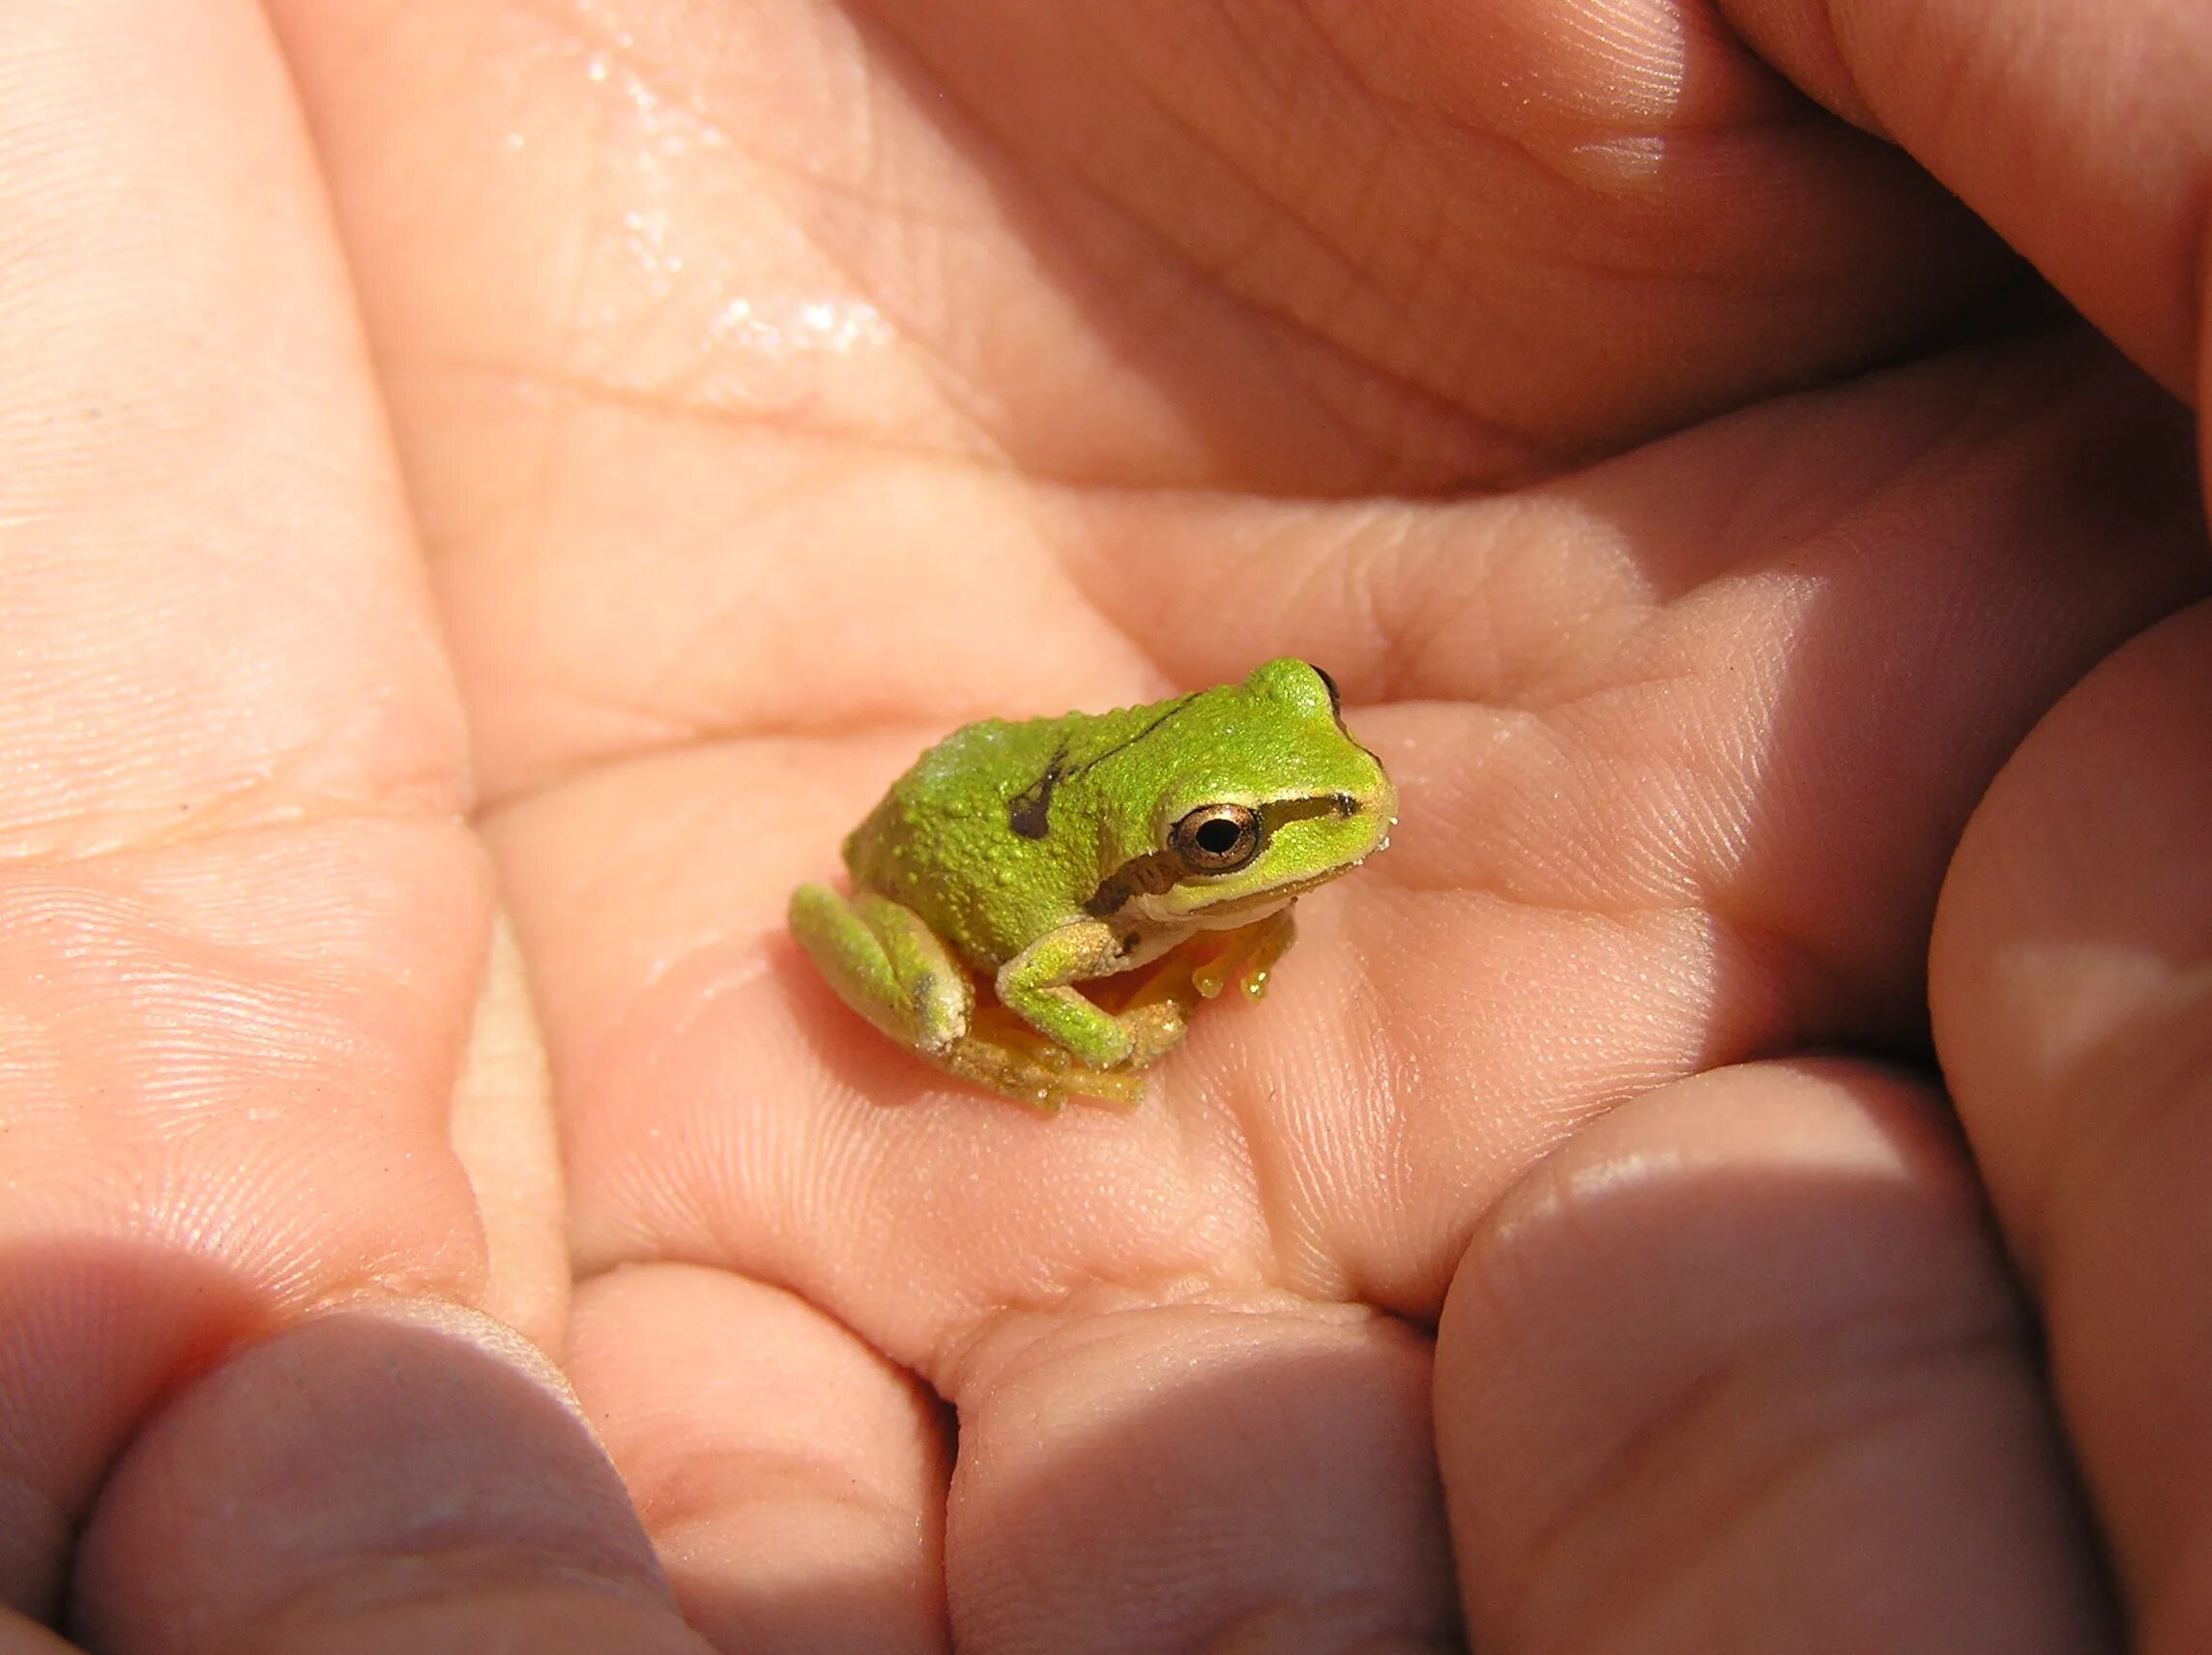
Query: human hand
(755, 437)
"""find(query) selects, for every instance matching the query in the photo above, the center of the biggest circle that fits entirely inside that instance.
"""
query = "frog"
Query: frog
(1038, 906)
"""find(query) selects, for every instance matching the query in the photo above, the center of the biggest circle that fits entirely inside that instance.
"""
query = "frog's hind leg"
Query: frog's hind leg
(886, 965)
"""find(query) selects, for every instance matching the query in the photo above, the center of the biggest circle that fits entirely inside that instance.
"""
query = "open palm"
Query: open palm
(1696, 504)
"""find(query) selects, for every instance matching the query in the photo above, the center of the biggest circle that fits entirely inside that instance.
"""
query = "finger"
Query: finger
(2073, 999)
(1739, 1368)
(791, 1478)
(20, 1637)
(503, 1131)
(1204, 1476)
(386, 1480)
(216, 607)
(240, 919)
(2078, 127)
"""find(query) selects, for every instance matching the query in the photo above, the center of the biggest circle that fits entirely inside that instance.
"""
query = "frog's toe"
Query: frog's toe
(1154, 1031)
(940, 1001)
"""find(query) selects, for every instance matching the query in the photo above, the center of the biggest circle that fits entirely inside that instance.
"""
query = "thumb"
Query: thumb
(2072, 1001)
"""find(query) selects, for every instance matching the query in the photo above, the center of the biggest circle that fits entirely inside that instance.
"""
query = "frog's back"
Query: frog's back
(941, 841)
(1002, 831)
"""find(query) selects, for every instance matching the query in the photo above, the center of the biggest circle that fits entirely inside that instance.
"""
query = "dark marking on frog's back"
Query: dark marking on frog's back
(1028, 811)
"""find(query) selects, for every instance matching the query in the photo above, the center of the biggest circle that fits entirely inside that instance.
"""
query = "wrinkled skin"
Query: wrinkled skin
(590, 446)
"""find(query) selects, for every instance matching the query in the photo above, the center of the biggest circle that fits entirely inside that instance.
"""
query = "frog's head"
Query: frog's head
(1261, 793)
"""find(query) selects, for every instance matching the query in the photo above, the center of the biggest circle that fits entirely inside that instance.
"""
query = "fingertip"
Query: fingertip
(2072, 1005)
(791, 1478)
(1217, 1474)
(2077, 904)
(387, 1467)
(1745, 1355)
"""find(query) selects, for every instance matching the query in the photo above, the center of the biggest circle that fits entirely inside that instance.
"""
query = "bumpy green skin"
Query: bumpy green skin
(1042, 853)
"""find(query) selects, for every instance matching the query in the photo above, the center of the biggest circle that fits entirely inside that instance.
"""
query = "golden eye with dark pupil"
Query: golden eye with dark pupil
(1216, 838)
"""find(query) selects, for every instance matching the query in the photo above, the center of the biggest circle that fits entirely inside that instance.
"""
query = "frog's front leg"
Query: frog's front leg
(886, 963)
(1035, 985)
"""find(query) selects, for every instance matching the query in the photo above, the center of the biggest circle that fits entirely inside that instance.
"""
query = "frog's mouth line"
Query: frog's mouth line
(1273, 897)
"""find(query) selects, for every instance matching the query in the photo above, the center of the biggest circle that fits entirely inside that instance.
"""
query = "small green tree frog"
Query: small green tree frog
(1159, 846)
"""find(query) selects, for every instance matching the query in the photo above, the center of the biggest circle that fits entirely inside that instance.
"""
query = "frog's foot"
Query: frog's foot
(1245, 956)
(1199, 968)
(1004, 1054)
(886, 963)
(1156, 1027)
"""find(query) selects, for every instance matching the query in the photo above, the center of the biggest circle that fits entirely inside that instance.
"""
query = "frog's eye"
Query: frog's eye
(1216, 838)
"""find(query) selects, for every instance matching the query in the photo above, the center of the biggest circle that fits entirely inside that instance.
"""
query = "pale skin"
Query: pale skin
(1516, 1263)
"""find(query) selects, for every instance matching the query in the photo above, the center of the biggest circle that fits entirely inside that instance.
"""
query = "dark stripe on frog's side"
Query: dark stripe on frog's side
(1139, 876)
(1029, 812)
(1154, 872)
